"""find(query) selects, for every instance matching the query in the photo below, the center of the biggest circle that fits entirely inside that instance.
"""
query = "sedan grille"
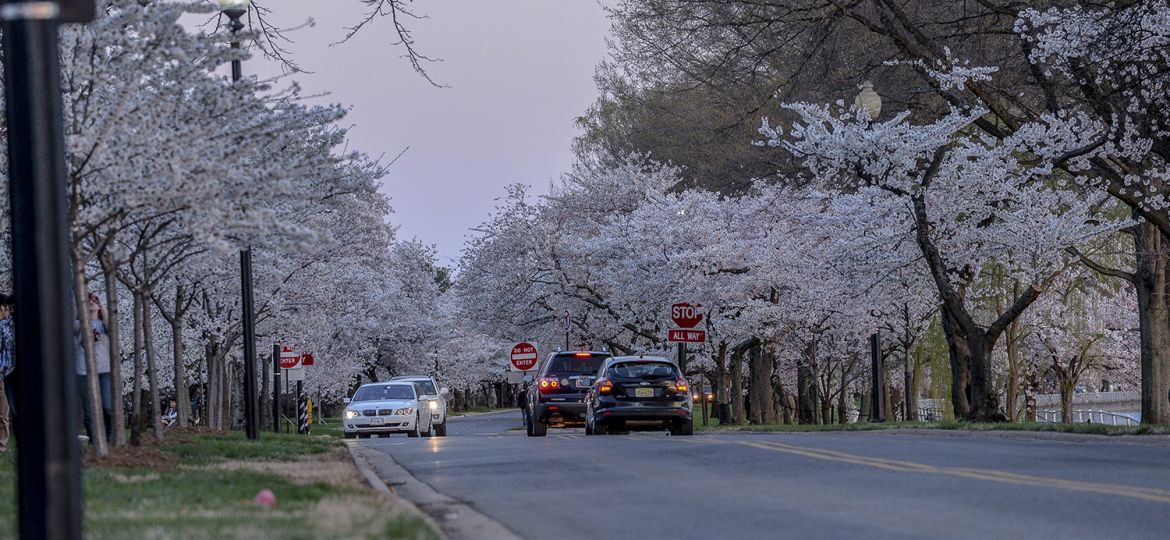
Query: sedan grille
(369, 412)
(385, 412)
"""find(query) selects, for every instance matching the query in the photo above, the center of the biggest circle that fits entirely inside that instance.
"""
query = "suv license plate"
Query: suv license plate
(643, 392)
(376, 421)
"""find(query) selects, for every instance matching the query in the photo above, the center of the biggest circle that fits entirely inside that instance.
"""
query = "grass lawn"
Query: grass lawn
(201, 485)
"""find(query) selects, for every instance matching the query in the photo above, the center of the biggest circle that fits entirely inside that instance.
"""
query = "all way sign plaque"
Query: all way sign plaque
(686, 336)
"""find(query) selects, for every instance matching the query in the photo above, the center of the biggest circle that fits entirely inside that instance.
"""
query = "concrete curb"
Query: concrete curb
(454, 518)
(375, 482)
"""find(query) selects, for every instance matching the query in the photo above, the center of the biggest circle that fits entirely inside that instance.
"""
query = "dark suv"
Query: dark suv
(639, 392)
(556, 395)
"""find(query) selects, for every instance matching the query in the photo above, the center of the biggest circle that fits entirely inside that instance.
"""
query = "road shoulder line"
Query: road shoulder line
(454, 518)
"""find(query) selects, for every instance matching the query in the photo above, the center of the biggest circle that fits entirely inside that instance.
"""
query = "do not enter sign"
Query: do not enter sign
(289, 358)
(523, 356)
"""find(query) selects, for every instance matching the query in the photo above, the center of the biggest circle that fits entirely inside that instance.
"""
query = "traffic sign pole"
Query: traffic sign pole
(276, 388)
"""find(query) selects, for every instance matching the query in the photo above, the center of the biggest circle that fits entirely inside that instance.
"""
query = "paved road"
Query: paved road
(806, 485)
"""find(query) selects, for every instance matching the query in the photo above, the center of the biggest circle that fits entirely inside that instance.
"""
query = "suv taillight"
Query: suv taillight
(604, 387)
(681, 385)
(548, 384)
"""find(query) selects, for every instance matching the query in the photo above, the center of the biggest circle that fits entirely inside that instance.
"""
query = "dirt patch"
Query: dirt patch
(333, 468)
(147, 455)
(132, 457)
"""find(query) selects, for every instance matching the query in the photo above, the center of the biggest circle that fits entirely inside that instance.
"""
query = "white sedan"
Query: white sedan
(385, 408)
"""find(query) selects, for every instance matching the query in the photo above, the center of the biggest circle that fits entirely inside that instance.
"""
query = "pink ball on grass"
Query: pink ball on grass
(265, 498)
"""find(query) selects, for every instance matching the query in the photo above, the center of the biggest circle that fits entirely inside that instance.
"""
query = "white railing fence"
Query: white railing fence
(1087, 417)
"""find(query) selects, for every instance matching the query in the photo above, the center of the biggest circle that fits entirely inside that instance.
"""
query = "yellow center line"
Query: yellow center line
(1146, 494)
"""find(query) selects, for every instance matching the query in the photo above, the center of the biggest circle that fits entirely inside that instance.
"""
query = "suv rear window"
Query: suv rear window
(643, 370)
(575, 365)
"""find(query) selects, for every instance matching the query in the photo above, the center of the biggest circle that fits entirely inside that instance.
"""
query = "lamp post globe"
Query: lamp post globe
(868, 101)
(234, 9)
(234, 5)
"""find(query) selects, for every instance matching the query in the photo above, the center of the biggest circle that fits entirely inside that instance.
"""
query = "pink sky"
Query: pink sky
(518, 71)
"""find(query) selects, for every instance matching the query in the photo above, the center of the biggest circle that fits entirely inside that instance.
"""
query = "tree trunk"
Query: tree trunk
(842, 399)
(1154, 323)
(113, 330)
(723, 380)
(151, 367)
(755, 403)
(806, 387)
(768, 399)
(182, 396)
(984, 398)
(1066, 400)
(737, 405)
(97, 426)
(910, 381)
(911, 388)
(211, 393)
(959, 353)
(866, 402)
(139, 424)
(1013, 382)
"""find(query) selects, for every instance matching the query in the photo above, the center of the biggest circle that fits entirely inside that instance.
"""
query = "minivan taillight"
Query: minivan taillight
(548, 384)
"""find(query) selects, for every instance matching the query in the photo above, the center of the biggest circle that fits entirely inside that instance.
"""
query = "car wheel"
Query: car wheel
(441, 429)
(600, 429)
(539, 429)
(363, 435)
(414, 432)
(430, 427)
(682, 428)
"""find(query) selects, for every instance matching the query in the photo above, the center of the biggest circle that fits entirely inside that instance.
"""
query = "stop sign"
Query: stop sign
(289, 359)
(686, 315)
(523, 356)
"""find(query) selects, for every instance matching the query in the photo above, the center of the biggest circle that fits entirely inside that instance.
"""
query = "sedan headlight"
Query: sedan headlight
(351, 413)
(434, 405)
(404, 411)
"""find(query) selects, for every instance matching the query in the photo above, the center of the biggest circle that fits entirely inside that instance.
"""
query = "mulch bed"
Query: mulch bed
(145, 456)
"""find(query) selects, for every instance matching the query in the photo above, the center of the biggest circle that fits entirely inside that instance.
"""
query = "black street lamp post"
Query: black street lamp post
(48, 455)
(235, 10)
(877, 407)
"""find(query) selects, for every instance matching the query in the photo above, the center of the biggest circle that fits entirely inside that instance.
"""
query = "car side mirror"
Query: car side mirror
(444, 391)
(345, 401)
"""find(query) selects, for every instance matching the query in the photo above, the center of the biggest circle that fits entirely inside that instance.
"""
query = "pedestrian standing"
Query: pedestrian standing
(7, 370)
(101, 352)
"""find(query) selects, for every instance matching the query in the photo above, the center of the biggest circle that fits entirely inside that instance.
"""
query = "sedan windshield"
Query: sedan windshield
(384, 392)
(643, 370)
